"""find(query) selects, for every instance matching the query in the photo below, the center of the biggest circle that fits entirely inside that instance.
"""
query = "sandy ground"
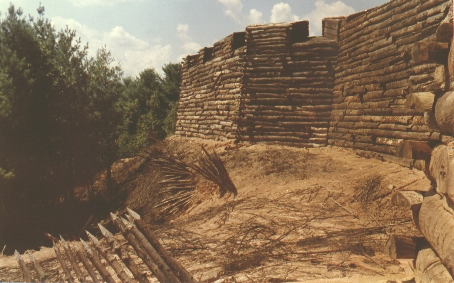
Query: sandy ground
(301, 215)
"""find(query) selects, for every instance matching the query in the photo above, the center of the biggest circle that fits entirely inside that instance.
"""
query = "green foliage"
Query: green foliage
(60, 112)
(151, 108)
(64, 117)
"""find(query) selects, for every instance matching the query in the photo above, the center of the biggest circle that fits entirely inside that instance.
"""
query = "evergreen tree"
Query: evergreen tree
(59, 116)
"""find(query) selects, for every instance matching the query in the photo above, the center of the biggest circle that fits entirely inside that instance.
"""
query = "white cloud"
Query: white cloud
(234, 10)
(282, 12)
(323, 10)
(133, 53)
(255, 17)
(189, 46)
(83, 3)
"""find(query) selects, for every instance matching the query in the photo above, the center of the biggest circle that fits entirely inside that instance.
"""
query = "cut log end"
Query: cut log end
(444, 32)
(404, 247)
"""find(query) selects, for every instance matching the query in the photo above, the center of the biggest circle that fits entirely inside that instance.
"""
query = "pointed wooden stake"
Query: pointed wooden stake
(139, 249)
(177, 268)
(83, 258)
(111, 258)
(39, 270)
(23, 267)
(74, 264)
(157, 259)
(124, 255)
(68, 276)
(94, 258)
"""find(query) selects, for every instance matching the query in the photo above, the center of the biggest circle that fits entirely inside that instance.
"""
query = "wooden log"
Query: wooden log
(155, 269)
(403, 247)
(414, 150)
(431, 268)
(430, 121)
(124, 255)
(23, 267)
(442, 170)
(68, 275)
(38, 268)
(444, 30)
(407, 199)
(151, 251)
(420, 101)
(111, 258)
(410, 200)
(436, 222)
(83, 258)
(94, 258)
(444, 113)
(176, 267)
(72, 260)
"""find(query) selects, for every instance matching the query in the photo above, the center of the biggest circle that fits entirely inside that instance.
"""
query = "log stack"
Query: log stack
(385, 54)
(288, 84)
(210, 90)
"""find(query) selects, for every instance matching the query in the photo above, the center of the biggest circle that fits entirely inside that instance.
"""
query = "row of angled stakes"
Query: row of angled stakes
(144, 242)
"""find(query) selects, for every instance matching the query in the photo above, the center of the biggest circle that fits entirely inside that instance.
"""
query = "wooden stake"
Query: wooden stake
(72, 259)
(23, 267)
(111, 258)
(68, 276)
(151, 251)
(85, 262)
(176, 267)
(39, 270)
(124, 255)
(155, 269)
(93, 256)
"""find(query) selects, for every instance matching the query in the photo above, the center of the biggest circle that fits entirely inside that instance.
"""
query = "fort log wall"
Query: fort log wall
(386, 54)
(274, 83)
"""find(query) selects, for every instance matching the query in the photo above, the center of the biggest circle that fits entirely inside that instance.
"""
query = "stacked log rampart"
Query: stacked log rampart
(210, 90)
(386, 54)
(288, 85)
(272, 83)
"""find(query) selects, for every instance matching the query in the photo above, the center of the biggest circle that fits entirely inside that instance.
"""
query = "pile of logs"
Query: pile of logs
(272, 83)
(288, 85)
(98, 262)
(433, 210)
(385, 54)
(210, 90)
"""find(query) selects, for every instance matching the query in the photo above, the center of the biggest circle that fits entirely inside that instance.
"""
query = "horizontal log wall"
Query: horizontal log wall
(381, 60)
(210, 90)
(288, 85)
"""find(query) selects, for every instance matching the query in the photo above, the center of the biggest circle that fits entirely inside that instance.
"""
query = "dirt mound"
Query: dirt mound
(301, 215)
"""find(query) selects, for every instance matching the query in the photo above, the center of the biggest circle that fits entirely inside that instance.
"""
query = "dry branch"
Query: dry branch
(212, 168)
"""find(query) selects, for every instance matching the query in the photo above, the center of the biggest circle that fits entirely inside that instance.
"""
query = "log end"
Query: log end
(444, 32)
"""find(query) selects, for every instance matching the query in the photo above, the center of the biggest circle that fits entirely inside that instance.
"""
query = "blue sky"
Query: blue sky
(149, 33)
